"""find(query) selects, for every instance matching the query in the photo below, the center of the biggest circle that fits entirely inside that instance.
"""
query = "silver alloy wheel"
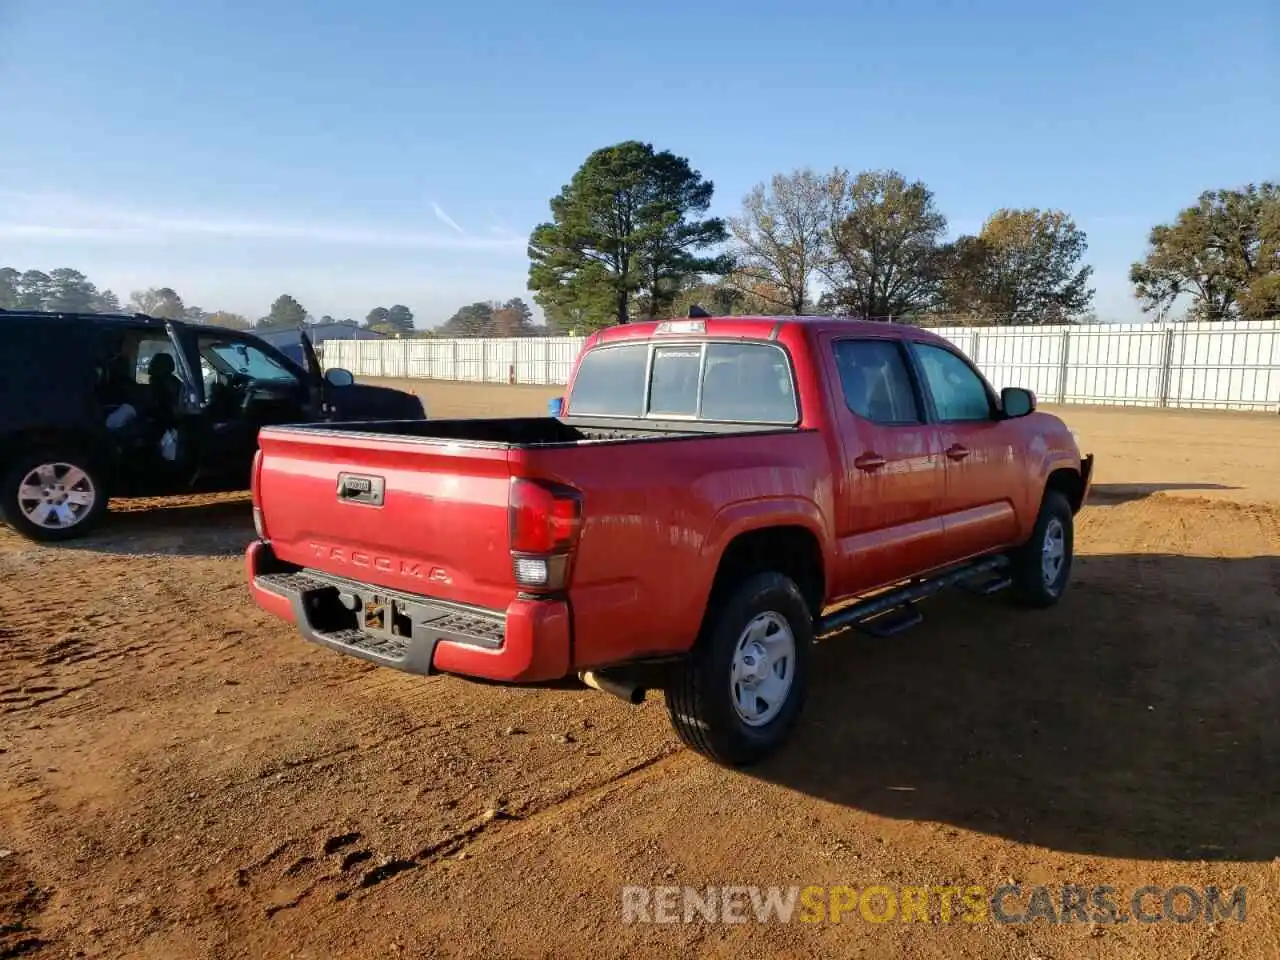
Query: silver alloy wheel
(56, 496)
(1053, 552)
(764, 666)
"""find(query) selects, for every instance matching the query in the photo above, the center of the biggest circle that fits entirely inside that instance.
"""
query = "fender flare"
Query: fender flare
(745, 516)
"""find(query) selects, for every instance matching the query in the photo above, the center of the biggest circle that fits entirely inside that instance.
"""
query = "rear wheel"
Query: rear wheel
(1042, 566)
(52, 495)
(737, 696)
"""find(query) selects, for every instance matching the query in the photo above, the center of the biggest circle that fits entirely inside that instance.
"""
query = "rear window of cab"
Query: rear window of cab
(735, 381)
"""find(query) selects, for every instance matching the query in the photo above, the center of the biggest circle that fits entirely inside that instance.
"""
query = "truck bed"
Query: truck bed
(537, 432)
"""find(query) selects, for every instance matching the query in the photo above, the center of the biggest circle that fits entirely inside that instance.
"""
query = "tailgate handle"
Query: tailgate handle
(361, 488)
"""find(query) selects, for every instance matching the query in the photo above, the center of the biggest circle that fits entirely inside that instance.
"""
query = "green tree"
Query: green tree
(400, 317)
(473, 320)
(625, 228)
(285, 312)
(886, 250)
(63, 289)
(564, 319)
(512, 318)
(396, 321)
(1023, 267)
(1223, 253)
(781, 240)
(35, 290)
(162, 302)
(70, 291)
(106, 302)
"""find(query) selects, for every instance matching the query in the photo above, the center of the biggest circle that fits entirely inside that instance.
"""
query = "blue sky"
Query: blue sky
(383, 151)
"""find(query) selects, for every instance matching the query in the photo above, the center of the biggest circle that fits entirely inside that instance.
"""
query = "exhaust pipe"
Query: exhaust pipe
(626, 690)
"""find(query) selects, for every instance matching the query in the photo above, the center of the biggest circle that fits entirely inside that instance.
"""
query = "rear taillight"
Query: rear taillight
(545, 522)
(259, 525)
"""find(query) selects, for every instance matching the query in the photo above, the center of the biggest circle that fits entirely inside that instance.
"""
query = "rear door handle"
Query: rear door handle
(870, 462)
(957, 452)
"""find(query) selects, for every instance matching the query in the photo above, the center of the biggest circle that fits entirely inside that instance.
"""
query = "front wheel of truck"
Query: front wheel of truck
(737, 696)
(1041, 568)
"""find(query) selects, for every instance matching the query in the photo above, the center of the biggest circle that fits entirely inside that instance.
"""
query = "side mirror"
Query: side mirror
(555, 406)
(337, 377)
(1016, 402)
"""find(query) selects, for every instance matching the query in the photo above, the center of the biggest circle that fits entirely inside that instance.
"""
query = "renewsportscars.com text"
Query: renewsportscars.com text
(1008, 903)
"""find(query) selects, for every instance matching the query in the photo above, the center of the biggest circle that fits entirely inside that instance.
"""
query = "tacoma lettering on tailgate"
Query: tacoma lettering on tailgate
(374, 561)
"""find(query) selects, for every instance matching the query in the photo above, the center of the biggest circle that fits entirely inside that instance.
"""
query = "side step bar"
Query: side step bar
(892, 612)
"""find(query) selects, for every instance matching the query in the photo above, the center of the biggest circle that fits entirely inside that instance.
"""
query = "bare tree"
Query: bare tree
(780, 239)
(887, 256)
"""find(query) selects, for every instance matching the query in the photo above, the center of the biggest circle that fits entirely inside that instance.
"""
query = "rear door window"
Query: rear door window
(875, 381)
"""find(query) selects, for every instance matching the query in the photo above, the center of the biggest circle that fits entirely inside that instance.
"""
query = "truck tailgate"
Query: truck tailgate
(422, 517)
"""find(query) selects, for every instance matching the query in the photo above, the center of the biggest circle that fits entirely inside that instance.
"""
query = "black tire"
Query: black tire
(1032, 584)
(12, 508)
(700, 691)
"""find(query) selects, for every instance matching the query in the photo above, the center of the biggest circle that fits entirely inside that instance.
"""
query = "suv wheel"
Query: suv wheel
(1042, 567)
(739, 693)
(52, 495)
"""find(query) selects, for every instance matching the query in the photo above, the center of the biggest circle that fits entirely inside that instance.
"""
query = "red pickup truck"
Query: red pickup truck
(715, 493)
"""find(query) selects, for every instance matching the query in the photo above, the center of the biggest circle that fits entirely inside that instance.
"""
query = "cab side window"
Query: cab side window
(876, 382)
(958, 392)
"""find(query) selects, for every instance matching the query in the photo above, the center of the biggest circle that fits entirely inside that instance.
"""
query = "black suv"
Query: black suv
(100, 405)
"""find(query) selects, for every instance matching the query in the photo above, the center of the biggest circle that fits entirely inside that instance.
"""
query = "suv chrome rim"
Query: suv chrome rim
(56, 496)
(764, 665)
(1053, 552)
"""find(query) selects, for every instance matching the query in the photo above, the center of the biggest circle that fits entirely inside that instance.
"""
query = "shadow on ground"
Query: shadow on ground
(1114, 493)
(204, 525)
(1110, 725)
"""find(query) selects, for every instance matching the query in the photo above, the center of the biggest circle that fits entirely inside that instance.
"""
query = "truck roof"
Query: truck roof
(757, 327)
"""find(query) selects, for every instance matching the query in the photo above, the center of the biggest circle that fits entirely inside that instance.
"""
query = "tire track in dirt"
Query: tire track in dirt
(318, 866)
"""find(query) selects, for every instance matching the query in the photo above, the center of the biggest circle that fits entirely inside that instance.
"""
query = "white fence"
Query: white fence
(1233, 366)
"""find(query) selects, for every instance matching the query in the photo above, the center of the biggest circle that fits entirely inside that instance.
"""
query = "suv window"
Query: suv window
(876, 383)
(743, 382)
(148, 347)
(958, 391)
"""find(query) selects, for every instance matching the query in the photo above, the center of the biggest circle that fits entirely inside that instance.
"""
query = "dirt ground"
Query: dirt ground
(182, 776)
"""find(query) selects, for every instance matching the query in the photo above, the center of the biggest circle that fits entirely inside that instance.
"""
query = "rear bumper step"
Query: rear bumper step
(384, 626)
(529, 642)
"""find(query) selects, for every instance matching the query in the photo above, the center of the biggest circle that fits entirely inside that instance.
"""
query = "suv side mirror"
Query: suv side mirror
(337, 377)
(555, 406)
(1016, 402)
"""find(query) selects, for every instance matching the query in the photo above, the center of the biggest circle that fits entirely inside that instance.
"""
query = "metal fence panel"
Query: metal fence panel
(1217, 365)
(1116, 364)
(1024, 358)
(1226, 366)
